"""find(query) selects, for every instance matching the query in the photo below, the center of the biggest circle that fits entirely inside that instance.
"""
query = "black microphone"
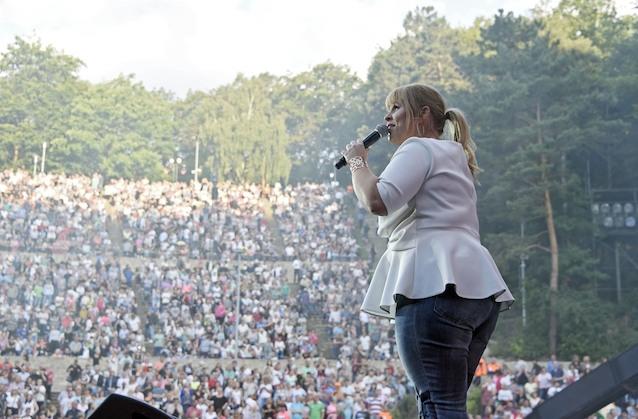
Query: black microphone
(380, 131)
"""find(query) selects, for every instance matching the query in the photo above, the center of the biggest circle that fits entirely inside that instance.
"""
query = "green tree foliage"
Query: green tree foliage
(590, 26)
(535, 104)
(117, 128)
(552, 102)
(538, 112)
(322, 109)
(196, 121)
(620, 77)
(250, 135)
(426, 52)
(37, 86)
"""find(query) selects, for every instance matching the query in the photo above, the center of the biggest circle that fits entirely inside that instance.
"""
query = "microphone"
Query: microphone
(380, 131)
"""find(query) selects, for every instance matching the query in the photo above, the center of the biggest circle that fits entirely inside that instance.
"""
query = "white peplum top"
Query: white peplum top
(432, 229)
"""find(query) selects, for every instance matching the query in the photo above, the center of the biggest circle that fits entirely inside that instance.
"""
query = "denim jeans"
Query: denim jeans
(440, 340)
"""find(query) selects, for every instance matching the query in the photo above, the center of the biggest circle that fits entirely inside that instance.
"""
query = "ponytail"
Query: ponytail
(451, 124)
(461, 134)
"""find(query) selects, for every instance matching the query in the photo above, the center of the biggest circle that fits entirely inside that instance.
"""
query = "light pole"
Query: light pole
(618, 278)
(523, 265)
(44, 155)
(178, 161)
(175, 162)
(35, 164)
(172, 166)
(213, 176)
(237, 309)
(197, 169)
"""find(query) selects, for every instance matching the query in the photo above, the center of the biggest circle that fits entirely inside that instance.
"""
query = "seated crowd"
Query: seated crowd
(79, 307)
(112, 274)
(513, 391)
(276, 389)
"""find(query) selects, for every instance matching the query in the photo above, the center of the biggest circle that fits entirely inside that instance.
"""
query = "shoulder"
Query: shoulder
(431, 145)
(414, 143)
(413, 147)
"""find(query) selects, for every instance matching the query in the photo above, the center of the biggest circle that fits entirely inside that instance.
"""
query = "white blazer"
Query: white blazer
(432, 229)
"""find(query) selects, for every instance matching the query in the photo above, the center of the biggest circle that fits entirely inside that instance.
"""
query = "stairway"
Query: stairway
(54, 400)
(379, 243)
(113, 227)
(317, 323)
(273, 226)
(142, 299)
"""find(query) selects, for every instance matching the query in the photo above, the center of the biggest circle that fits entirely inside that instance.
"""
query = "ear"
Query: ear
(424, 110)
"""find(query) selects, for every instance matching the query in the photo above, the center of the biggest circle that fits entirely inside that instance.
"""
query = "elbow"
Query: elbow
(377, 207)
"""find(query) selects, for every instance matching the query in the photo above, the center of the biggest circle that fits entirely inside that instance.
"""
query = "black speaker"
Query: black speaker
(123, 407)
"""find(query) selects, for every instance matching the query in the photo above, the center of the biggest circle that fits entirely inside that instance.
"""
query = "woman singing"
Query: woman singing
(435, 279)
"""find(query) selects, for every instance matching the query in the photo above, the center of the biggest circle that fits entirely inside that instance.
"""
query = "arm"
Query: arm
(364, 182)
(365, 188)
(399, 182)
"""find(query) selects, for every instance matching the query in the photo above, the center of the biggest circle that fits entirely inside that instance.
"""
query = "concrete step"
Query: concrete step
(317, 324)
(273, 225)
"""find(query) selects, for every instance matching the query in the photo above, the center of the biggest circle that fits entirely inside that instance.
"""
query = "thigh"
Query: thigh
(434, 352)
(480, 338)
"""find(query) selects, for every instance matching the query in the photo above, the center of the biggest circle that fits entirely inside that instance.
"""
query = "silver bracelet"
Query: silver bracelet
(357, 163)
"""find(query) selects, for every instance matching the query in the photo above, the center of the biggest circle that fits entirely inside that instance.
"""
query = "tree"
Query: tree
(321, 108)
(250, 137)
(37, 86)
(588, 26)
(426, 53)
(621, 82)
(533, 118)
(117, 128)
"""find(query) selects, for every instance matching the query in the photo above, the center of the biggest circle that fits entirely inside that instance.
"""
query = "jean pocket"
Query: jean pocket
(464, 312)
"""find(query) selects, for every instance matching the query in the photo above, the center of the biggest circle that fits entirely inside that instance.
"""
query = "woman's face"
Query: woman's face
(397, 122)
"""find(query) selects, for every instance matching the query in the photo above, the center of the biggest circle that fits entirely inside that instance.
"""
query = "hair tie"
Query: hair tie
(446, 115)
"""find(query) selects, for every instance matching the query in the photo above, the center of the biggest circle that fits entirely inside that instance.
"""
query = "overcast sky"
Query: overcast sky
(201, 44)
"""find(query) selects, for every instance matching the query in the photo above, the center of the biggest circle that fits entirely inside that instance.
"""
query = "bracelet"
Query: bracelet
(357, 163)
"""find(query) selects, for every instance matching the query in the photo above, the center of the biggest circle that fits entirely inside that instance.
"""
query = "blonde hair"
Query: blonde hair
(415, 96)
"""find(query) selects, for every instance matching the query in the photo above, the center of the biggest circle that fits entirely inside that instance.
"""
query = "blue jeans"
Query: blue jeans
(440, 340)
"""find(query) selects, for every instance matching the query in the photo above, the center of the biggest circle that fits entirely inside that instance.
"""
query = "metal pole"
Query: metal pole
(44, 155)
(213, 176)
(618, 279)
(196, 158)
(238, 285)
(523, 292)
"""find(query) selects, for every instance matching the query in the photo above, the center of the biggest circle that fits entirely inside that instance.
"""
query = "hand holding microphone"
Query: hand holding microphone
(357, 149)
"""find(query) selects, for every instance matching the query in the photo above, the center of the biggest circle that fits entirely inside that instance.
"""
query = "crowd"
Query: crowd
(275, 389)
(73, 305)
(288, 388)
(513, 391)
(81, 301)
(311, 218)
(69, 306)
(118, 272)
(25, 392)
(61, 213)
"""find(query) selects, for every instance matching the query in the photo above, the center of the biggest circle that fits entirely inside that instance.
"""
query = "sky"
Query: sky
(201, 44)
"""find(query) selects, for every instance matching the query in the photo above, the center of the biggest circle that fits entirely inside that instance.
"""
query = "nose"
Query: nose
(388, 117)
